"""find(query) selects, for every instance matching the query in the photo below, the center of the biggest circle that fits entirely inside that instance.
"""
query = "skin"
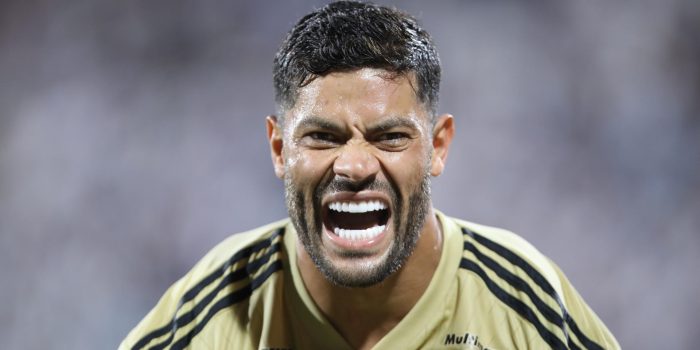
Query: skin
(362, 127)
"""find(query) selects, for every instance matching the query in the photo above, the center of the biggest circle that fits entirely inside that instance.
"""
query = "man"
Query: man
(364, 261)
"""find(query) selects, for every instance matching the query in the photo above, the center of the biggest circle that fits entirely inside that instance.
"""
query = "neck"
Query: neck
(364, 315)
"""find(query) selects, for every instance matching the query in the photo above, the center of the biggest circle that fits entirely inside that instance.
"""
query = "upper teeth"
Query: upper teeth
(357, 207)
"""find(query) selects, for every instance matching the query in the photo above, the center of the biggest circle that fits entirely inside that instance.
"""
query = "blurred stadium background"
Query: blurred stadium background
(132, 140)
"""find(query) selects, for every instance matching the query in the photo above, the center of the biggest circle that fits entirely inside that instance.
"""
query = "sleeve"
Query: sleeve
(156, 326)
(164, 324)
(191, 302)
(583, 324)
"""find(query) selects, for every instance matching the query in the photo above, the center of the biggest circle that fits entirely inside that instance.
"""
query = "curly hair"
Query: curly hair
(349, 35)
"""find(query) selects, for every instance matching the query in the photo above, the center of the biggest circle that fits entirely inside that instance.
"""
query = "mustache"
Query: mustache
(339, 184)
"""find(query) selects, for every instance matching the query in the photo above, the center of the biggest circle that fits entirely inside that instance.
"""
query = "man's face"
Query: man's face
(356, 157)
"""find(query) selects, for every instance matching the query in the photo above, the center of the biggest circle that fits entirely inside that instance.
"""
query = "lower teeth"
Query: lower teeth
(356, 235)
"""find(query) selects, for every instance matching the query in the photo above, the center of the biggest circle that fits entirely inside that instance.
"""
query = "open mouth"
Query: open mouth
(356, 220)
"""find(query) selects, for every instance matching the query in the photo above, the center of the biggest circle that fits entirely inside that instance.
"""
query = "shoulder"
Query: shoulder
(498, 247)
(241, 249)
(530, 288)
(227, 276)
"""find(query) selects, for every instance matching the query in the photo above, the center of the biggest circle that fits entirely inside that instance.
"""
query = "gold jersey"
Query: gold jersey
(491, 290)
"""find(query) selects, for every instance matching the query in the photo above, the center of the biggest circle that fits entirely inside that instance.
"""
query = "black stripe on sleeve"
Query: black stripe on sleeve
(516, 260)
(514, 303)
(516, 282)
(225, 302)
(538, 278)
(234, 276)
(587, 342)
(521, 285)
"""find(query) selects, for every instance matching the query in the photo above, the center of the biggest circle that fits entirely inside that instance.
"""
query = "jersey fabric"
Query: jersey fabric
(491, 290)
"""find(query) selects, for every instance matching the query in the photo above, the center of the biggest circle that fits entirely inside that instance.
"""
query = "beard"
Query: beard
(408, 220)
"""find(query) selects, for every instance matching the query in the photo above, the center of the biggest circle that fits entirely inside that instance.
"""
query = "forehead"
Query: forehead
(363, 95)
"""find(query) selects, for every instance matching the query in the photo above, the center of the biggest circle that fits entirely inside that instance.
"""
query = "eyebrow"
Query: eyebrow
(393, 122)
(315, 122)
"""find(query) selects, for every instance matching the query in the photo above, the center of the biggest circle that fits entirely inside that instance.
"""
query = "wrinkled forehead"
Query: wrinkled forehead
(359, 96)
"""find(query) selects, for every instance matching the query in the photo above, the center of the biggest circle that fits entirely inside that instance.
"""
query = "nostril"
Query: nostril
(356, 164)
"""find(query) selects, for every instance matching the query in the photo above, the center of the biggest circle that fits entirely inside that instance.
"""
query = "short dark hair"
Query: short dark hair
(349, 35)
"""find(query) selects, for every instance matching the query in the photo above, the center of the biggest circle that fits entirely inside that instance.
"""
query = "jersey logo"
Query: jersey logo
(466, 340)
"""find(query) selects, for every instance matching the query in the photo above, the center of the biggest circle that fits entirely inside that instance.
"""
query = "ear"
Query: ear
(274, 136)
(442, 137)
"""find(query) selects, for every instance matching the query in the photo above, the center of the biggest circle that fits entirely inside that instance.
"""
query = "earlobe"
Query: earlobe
(442, 137)
(274, 136)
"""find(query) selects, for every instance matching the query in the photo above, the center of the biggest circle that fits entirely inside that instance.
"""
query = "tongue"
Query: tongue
(356, 221)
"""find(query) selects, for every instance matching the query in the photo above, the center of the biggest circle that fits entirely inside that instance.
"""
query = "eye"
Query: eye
(393, 140)
(322, 136)
(319, 139)
(392, 136)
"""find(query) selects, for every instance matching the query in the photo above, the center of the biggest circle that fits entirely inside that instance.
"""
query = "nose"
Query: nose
(356, 163)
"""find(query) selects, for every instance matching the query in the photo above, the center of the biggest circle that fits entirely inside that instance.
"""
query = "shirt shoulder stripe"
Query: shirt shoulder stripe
(517, 282)
(514, 303)
(247, 269)
(540, 280)
(239, 295)
(227, 301)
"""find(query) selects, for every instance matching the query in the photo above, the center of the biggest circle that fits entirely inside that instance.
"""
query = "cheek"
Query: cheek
(308, 168)
(407, 168)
